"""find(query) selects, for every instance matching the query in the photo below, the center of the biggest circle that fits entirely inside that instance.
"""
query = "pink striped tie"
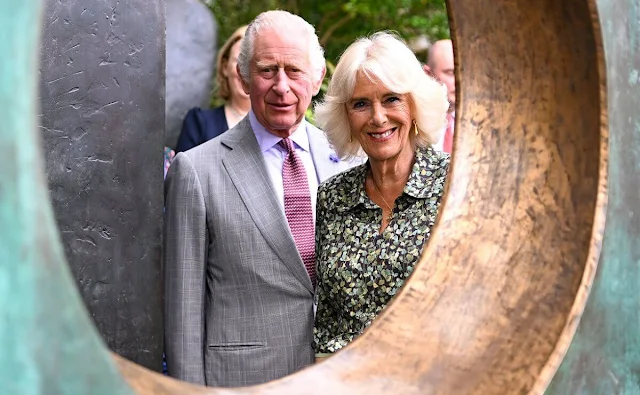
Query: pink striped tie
(297, 208)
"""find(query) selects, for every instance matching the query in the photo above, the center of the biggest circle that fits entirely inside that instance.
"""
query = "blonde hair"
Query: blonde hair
(382, 57)
(223, 90)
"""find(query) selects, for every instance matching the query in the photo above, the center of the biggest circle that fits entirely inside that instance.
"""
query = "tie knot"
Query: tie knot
(288, 144)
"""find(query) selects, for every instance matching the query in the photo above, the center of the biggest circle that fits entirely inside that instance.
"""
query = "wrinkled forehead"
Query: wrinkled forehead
(290, 46)
(291, 36)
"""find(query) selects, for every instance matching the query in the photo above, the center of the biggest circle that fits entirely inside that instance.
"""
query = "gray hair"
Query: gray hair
(280, 20)
(386, 58)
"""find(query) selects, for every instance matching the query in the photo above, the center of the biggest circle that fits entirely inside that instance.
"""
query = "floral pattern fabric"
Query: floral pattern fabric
(360, 269)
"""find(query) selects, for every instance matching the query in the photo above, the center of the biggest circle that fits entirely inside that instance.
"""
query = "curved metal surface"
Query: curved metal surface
(605, 353)
(49, 344)
(498, 293)
(493, 304)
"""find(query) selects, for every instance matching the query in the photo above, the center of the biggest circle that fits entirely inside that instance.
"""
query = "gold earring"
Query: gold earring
(415, 130)
(351, 138)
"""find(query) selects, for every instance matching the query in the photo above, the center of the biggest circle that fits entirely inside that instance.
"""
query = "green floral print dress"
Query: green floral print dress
(360, 269)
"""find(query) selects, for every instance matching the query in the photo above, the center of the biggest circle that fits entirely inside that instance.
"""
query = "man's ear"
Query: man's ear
(318, 83)
(427, 70)
(245, 85)
(223, 67)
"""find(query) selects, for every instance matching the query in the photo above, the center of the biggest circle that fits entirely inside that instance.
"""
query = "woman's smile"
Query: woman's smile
(382, 136)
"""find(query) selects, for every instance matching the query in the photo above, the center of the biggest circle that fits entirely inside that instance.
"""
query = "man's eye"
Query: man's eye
(294, 72)
(268, 71)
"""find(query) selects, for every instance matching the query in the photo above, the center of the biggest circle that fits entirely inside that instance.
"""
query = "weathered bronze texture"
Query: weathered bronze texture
(496, 299)
(604, 357)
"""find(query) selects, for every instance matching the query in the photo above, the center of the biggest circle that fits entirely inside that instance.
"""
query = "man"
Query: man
(440, 66)
(239, 243)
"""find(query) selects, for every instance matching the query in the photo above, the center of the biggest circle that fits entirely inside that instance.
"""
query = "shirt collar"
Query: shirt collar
(266, 139)
(359, 195)
(423, 173)
(418, 186)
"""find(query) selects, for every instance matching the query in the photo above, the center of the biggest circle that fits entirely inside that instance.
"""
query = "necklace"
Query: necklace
(384, 200)
(235, 113)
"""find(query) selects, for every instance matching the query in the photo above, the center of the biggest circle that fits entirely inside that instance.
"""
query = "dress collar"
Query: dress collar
(421, 179)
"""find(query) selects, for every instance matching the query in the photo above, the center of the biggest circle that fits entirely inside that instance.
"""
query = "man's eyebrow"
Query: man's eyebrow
(265, 63)
(295, 63)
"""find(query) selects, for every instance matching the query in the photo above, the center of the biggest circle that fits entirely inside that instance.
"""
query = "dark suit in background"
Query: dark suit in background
(200, 126)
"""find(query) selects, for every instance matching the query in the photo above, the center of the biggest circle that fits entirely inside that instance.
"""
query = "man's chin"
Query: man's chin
(283, 126)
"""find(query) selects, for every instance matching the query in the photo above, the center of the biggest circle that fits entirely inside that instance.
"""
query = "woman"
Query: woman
(373, 220)
(203, 125)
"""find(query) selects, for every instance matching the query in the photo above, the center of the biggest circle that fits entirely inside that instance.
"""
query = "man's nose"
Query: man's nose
(281, 83)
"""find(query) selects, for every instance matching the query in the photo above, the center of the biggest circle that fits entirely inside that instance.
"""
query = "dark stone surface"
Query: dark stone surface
(102, 97)
(191, 52)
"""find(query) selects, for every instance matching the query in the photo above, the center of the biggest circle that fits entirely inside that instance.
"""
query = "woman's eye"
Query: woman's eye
(393, 99)
(358, 104)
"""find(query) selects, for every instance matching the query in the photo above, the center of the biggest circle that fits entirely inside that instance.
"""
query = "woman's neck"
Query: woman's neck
(235, 110)
(385, 182)
(391, 175)
(240, 104)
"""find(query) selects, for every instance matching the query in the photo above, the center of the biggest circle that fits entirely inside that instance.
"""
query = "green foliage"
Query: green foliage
(338, 24)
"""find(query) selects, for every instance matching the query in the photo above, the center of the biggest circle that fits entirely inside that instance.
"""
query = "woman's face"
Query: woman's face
(230, 72)
(380, 120)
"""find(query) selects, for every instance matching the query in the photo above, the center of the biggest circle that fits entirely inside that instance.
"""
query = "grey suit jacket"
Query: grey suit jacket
(238, 301)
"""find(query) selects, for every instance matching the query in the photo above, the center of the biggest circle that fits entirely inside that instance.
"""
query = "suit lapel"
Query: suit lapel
(324, 159)
(247, 169)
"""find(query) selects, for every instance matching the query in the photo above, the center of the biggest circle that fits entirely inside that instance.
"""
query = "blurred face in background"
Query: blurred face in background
(230, 72)
(441, 67)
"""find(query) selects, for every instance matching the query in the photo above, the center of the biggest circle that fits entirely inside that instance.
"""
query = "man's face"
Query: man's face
(281, 81)
(443, 71)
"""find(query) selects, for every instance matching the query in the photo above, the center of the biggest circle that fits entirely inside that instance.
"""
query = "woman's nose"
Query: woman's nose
(379, 115)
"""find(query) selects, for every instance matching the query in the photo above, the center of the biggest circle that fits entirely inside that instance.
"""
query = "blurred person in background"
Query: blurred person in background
(201, 125)
(440, 66)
